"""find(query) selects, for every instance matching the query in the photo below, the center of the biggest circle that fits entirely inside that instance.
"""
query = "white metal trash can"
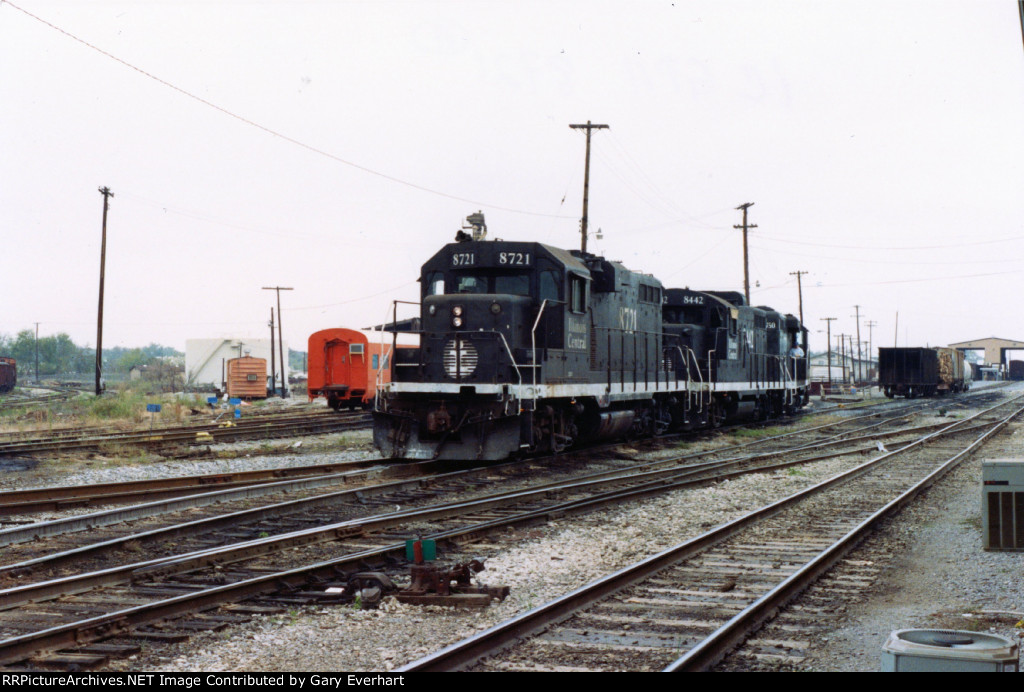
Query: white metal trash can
(948, 651)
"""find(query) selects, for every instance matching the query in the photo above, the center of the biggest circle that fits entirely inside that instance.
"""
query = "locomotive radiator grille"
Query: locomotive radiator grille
(460, 359)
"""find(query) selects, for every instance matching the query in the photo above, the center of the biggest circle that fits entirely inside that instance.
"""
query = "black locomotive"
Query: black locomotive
(525, 347)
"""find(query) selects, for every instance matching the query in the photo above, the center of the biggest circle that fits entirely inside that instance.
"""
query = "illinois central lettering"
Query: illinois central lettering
(577, 337)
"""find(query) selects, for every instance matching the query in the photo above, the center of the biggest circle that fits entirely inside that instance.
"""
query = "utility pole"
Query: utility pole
(870, 324)
(273, 370)
(842, 354)
(107, 194)
(857, 308)
(746, 271)
(828, 340)
(586, 180)
(37, 353)
(280, 342)
(853, 368)
(799, 293)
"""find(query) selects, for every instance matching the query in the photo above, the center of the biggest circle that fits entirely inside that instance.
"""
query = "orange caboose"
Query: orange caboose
(344, 366)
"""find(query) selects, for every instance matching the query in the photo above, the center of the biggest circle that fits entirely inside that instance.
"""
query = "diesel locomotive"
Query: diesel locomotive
(524, 347)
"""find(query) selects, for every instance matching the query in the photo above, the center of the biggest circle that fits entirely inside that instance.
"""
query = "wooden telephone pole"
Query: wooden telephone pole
(586, 180)
(799, 293)
(280, 341)
(107, 194)
(828, 339)
(857, 308)
(746, 270)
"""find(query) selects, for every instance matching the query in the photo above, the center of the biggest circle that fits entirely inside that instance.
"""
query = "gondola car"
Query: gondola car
(525, 347)
(921, 371)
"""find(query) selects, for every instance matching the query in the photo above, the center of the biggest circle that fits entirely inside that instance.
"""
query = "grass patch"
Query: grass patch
(757, 433)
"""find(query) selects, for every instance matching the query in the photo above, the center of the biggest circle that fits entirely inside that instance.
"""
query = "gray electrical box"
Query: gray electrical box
(1002, 503)
(951, 651)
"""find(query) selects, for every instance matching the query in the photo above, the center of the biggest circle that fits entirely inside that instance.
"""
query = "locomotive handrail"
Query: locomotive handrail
(692, 354)
(533, 344)
(394, 347)
(512, 358)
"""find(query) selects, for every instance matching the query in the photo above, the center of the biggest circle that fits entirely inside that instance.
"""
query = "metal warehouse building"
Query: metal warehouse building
(995, 349)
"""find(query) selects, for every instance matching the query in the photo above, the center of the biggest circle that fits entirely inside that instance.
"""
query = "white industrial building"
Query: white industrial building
(206, 359)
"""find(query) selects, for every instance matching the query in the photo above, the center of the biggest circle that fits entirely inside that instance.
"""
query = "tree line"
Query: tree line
(58, 354)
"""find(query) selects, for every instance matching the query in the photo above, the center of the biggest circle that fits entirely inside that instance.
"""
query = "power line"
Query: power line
(779, 239)
(275, 133)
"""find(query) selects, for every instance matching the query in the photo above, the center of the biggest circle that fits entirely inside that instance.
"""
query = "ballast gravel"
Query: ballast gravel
(935, 574)
(539, 565)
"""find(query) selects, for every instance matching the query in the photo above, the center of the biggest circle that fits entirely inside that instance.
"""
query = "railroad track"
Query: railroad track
(203, 434)
(131, 599)
(687, 607)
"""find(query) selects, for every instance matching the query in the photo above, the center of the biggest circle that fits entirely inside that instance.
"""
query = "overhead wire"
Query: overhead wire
(875, 260)
(270, 131)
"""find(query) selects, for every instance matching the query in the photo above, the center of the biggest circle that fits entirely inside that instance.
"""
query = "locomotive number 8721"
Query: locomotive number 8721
(525, 347)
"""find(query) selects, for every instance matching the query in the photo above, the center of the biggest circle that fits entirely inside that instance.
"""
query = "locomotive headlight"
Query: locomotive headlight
(456, 321)
(457, 310)
(495, 308)
(432, 309)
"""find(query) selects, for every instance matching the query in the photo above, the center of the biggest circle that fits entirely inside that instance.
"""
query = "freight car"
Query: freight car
(344, 367)
(1016, 371)
(247, 377)
(8, 374)
(917, 371)
(525, 347)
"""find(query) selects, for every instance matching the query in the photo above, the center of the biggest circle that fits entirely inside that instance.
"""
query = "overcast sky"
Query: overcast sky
(334, 146)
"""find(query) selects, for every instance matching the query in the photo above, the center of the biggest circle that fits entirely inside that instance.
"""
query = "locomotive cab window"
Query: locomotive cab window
(470, 283)
(578, 294)
(434, 284)
(512, 284)
(549, 285)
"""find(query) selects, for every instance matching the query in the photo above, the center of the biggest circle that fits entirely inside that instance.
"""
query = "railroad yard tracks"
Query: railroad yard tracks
(280, 425)
(52, 616)
(686, 608)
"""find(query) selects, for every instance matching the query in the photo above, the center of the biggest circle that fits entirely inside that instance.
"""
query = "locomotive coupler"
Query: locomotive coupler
(439, 420)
